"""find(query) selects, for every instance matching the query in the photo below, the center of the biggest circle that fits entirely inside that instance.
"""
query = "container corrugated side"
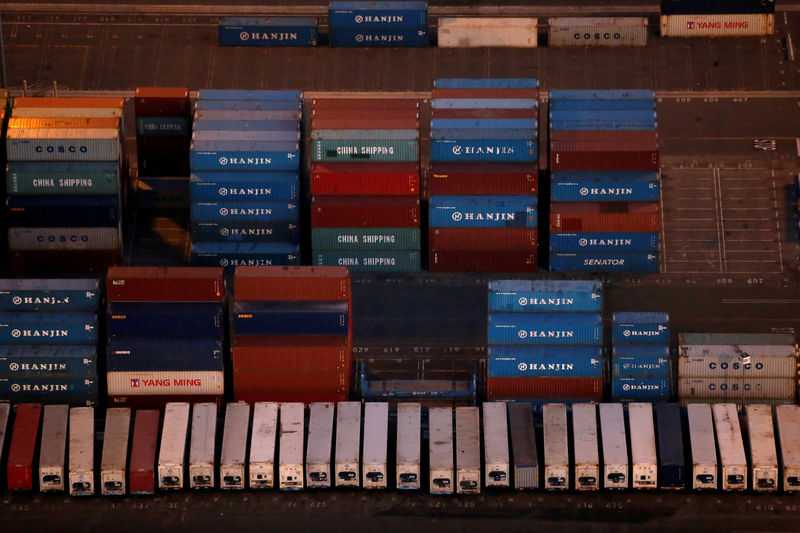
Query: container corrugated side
(143, 452)
(737, 361)
(58, 144)
(729, 25)
(86, 177)
(25, 239)
(52, 451)
(69, 390)
(604, 262)
(604, 242)
(788, 423)
(164, 319)
(242, 211)
(545, 328)
(597, 31)
(476, 32)
(567, 190)
(224, 159)
(369, 37)
(641, 361)
(466, 134)
(486, 83)
(49, 294)
(545, 285)
(545, 361)
(639, 388)
(483, 239)
(46, 361)
(737, 389)
(365, 239)
(245, 115)
(483, 211)
(48, 328)
(489, 150)
(252, 33)
(173, 284)
(126, 354)
(736, 338)
(545, 301)
(365, 150)
(671, 455)
(292, 283)
(623, 333)
(165, 383)
(485, 103)
(114, 461)
(290, 318)
(22, 450)
(371, 261)
(447, 260)
(250, 232)
(548, 388)
(249, 95)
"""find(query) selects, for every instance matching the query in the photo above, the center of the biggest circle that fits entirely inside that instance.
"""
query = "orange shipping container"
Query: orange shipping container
(68, 102)
(71, 122)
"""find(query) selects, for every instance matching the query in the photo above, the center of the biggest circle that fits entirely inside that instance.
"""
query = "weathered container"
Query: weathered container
(363, 179)
(143, 452)
(161, 101)
(465, 134)
(605, 217)
(366, 122)
(787, 418)
(164, 319)
(365, 211)
(49, 294)
(70, 390)
(245, 115)
(163, 127)
(292, 283)
(216, 156)
(404, 135)
(264, 232)
(262, 446)
(641, 360)
(377, 37)
(703, 446)
(485, 83)
(203, 446)
(84, 177)
(67, 112)
(365, 239)
(168, 383)
(53, 448)
(22, 449)
(483, 261)
(440, 450)
(545, 296)
(545, 361)
(48, 328)
(173, 284)
(72, 144)
(486, 150)
(497, 472)
(486, 114)
(545, 328)
(260, 104)
(383, 14)
(374, 109)
(233, 459)
(290, 318)
(481, 178)
(348, 444)
(556, 446)
(468, 450)
(233, 254)
(718, 361)
(243, 211)
(398, 101)
(763, 455)
(375, 446)
(604, 242)
(114, 462)
(485, 103)
(58, 238)
(597, 31)
(483, 211)
(63, 211)
(235, 136)
(574, 187)
(670, 7)
(131, 354)
(81, 451)
(523, 446)
(292, 435)
(671, 458)
(472, 32)
(644, 464)
(641, 388)
(438, 93)
(365, 150)
(629, 155)
(737, 389)
(267, 31)
(172, 452)
(408, 449)
(544, 388)
(614, 445)
(586, 459)
(483, 239)
(732, 458)
(603, 124)
(728, 25)
(318, 450)
(780, 339)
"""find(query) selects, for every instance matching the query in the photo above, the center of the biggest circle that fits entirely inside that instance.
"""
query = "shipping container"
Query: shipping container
(233, 254)
(148, 383)
(63, 211)
(262, 446)
(231, 231)
(371, 261)
(162, 127)
(131, 354)
(365, 211)
(64, 239)
(497, 471)
(376, 134)
(545, 298)
(63, 144)
(365, 239)
(596, 31)
(614, 446)
(63, 123)
(267, 31)
(556, 447)
(545, 328)
(249, 95)
(276, 135)
(379, 110)
(604, 242)
(164, 319)
(731, 448)
(604, 262)
(348, 444)
(763, 455)
(290, 318)
(369, 121)
(81, 451)
(85, 177)
(22, 450)
(233, 459)
(621, 115)
(143, 452)
(481, 178)
(74, 327)
(544, 388)
(247, 158)
(161, 101)
(615, 187)
(365, 179)
(409, 435)
(365, 150)
(485, 103)
(645, 360)
(382, 14)
(787, 418)
(523, 446)
(5, 409)
(114, 462)
(641, 388)
(570, 217)
(513, 94)
(485, 83)
(159, 401)
(586, 473)
(737, 360)
(703, 446)
(320, 441)
(375, 446)
(67, 112)
(301, 283)
(468, 450)
(310, 352)
(671, 459)
(68, 102)
(173, 284)
(53, 448)
(49, 294)
(640, 333)
(70, 390)
(717, 25)
(473, 32)
(545, 285)
(245, 115)
(244, 211)
(485, 114)
(483, 211)
(774, 339)
(629, 155)
(292, 436)
(440, 450)
(483, 261)
(283, 397)
(484, 150)
(230, 104)
(367, 37)
(644, 463)
(545, 361)
(737, 389)
(456, 124)
(172, 452)
(163, 193)
(483, 239)
(603, 124)
(203, 446)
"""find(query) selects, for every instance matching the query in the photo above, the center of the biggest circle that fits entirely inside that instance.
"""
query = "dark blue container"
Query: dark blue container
(72, 390)
(546, 301)
(48, 328)
(261, 31)
(49, 294)
(162, 127)
(246, 125)
(641, 361)
(279, 136)
(671, 456)
(373, 37)
(486, 83)
(545, 361)
(636, 389)
(484, 103)
(460, 134)
(227, 141)
(546, 328)
(232, 254)
(139, 354)
(595, 114)
(164, 319)
(480, 124)
(627, 105)
(239, 211)
(246, 159)
(604, 262)
(226, 186)
(257, 96)
(640, 317)
(611, 94)
(604, 242)
(486, 150)
(640, 328)
(67, 211)
(27, 361)
(545, 285)
(612, 189)
(585, 125)
(266, 232)
(377, 14)
(264, 104)
(483, 211)
(290, 318)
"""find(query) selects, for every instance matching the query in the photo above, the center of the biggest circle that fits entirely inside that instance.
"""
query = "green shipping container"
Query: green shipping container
(23, 177)
(374, 261)
(365, 150)
(365, 238)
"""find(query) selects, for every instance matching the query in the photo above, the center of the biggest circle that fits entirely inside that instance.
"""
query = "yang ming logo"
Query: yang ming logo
(457, 216)
(523, 301)
(134, 382)
(244, 36)
(223, 161)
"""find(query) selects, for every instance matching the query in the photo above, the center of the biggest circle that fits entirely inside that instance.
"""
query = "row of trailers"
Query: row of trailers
(348, 445)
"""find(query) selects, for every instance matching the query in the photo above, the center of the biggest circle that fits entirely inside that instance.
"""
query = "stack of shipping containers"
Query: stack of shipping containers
(165, 330)
(365, 184)
(605, 213)
(48, 340)
(370, 24)
(640, 362)
(245, 159)
(64, 205)
(737, 368)
(717, 18)
(482, 184)
(545, 341)
(291, 334)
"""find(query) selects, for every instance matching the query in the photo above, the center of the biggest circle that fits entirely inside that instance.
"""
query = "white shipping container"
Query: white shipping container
(409, 438)
(290, 462)
(376, 443)
(468, 450)
(584, 445)
(473, 32)
(733, 25)
(737, 389)
(203, 446)
(495, 445)
(703, 446)
(716, 361)
(788, 420)
(67, 112)
(172, 451)
(53, 448)
(440, 449)
(731, 448)
(63, 144)
(320, 442)
(262, 445)
(165, 383)
(81, 451)
(556, 446)
(615, 446)
(597, 31)
(763, 455)
(643, 446)
(234, 446)
(348, 444)
(114, 464)
(35, 239)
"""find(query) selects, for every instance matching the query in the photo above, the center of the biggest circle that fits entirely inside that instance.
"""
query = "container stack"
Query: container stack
(64, 203)
(365, 184)
(737, 368)
(371, 24)
(291, 334)
(165, 330)
(545, 341)
(482, 185)
(640, 363)
(245, 161)
(48, 341)
(605, 211)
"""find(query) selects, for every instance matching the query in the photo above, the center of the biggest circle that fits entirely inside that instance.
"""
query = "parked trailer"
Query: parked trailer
(440, 449)
(671, 459)
(143, 452)
(788, 420)
(524, 452)
(172, 451)
(290, 461)
(114, 463)
(320, 441)
(348, 444)
(495, 445)
(376, 441)
(468, 450)
(25, 436)
(585, 447)
(703, 446)
(262, 445)
(643, 446)
(763, 455)
(233, 459)
(615, 446)
(556, 447)
(731, 448)
(53, 449)
(202, 450)
(81, 451)
(409, 434)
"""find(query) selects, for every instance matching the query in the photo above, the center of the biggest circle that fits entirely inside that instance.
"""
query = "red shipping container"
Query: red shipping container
(291, 283)
(545, 388)
(602, 160)
(159, 401)
(483, 239)
(482, 178)
(485, 93)
(161, 102)
(364, 212)
(69, 102)
(483, 261)
(59, 262)
(485, 113)
(143, 452)
(605, 216)
(604, 135)
(302, 397)
(24, 441)
(355, 102)
(365, 179)
(294, 381)
(299, 357)
(165, 284)
(361, 113)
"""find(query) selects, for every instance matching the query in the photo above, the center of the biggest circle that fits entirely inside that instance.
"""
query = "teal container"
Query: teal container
(365, 238)
(89, 177)
(353, 150)
(371, 261)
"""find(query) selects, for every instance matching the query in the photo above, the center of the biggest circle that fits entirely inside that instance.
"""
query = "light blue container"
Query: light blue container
(232, 94)
(243, 186)
(604, 242)
(162, 127)
(486, 83)
(646, 360)
(627, 105)
(378, 37)
(244, 160)
(244, 105)
(460, 134)
(545, 362)
(48, 328)
(262, 211)
(246, 125)
(484, 103)
(232, 254)
(612, 94)
(377, 14)
(485, 150)
(546, 301)
(604, 262)
(483, 211)
(546, 328)
(481, 123)
(71, 391)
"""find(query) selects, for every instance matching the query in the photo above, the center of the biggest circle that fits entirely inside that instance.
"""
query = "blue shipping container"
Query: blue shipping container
(233, 254)
(246, 136)
(246, 125)
(231, 104)
(479, 124)
(586, 125)
(164, 319)
(627, 105)
(484, 103)
(488, 150)
(604, 262)
(612, 94)
(635, 389)
(640, 333)
(278, 31)
(545, 361)
(546, 328)
(377, 14)
(49, 294)
(545, 285)
(546, 301)
(604, 242)
(642, 363)
(261, 211)
(459, 134)
(66, 211)
(263, 96)
(640, 317)
(264, 232)
(49, 390)
(290, 318)
(486, 83)
(162, 127)
(272, 186)
(133, 354)
(595, 114)
(368, 37)
(483, 211)
(40, 360)
(568, 190)
(248, 160)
